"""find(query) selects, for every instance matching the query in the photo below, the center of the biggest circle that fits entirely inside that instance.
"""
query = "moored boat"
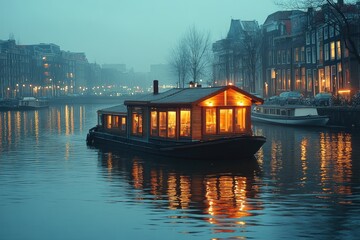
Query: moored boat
(289, 115)
(8, 104)
(26, 103)
(29, 103)
(195, 123)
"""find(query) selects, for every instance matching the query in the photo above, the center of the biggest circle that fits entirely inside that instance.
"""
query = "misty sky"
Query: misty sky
(134, 32)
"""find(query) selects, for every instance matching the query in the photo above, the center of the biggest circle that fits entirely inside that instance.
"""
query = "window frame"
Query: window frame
(234, 128)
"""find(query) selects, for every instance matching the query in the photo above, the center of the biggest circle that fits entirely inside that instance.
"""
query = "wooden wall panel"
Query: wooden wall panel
(232, 98)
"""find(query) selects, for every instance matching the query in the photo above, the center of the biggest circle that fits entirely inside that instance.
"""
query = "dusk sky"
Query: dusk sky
(134, 32)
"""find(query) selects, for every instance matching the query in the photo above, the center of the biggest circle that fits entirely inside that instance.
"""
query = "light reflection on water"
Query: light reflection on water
(304, 183)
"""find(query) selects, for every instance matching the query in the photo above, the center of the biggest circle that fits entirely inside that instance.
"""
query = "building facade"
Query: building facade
(15, 67)
(43, 70)
(309, 52)
(235, 57)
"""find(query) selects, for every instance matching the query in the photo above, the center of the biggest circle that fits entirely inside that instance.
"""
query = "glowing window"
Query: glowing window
(332, 50)
(137, 123)
(108, 121)
(115, 121)
(210, 121)
(226, 120)
(185, 124)
(240, 119)
(153, 123)
(338, 50)
(123, 123)
(162, 124)
(171, 124)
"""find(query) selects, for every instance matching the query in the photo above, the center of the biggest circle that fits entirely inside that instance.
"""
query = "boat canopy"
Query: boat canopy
(305, 111)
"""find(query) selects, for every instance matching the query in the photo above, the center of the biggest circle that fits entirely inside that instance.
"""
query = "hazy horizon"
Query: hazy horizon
(135, 33)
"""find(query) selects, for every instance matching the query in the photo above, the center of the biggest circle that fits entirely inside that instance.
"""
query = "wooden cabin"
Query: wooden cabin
(182, 114)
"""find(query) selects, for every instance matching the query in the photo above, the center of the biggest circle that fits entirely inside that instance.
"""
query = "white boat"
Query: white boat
(289, 115)
(28, 103)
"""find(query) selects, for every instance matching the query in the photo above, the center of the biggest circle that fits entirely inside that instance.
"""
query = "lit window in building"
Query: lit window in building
(303, 79)
(296, 54)
(309, 80)
(210, 121)
(240, 119)
(338, 50)
(185, 123)
(321, 80)
(327, 79)
(297, 78)
(226, 120)
(171, 124)
(321, 53)
(332, 50)
(153, 123)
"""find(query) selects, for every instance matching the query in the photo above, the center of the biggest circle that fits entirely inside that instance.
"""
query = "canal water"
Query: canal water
(303, 184)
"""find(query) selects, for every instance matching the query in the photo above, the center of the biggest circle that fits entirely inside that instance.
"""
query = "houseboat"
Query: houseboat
(26, 103)
(195, 122)
(289, 115)
(30, 103)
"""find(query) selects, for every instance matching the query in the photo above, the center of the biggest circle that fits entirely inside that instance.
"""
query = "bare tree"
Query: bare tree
(179, 61)
(344, 17)
(300, 4)
(191, 56)
(251, 47)
(198, 44)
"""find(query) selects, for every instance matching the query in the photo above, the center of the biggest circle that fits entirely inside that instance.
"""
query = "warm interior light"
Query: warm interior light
(210, 103)
(344, 91)
(240, 103)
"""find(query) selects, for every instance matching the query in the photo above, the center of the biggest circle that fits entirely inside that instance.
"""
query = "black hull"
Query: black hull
(219, 149)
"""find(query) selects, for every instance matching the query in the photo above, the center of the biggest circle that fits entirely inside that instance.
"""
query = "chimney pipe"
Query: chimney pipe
(156, 87)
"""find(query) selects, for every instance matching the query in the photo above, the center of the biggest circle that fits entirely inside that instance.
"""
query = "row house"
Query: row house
(14, 69)
(304, 51)
(235, 56)
(43, 70)
(338, 69)
(307, 52)
(47, 69)
(282, 53)
(59, 72)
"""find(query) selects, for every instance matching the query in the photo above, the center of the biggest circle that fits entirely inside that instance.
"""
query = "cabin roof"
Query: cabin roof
(187, 96)
(115, 109)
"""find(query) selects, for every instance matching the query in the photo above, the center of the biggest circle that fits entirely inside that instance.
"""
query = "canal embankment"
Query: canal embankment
(88, 100)
(342, 116)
